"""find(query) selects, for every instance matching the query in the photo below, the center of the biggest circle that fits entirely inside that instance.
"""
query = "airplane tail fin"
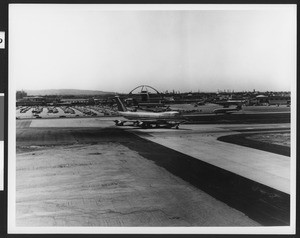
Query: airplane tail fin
(121, 106)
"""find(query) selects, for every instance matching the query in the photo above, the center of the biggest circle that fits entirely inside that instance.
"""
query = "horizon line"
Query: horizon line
(163, 91)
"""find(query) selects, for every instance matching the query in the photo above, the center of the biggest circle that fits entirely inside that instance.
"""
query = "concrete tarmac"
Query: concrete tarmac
(84, 172)
(200, 141)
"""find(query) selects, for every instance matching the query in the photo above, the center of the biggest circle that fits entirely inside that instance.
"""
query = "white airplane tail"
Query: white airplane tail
(121, 106)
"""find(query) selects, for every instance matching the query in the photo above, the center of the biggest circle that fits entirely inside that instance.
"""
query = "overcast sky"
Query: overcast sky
(88, 47)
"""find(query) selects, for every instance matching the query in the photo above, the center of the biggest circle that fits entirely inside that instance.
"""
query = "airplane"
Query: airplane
(167, 119)
(199, 103)
(228, 103)
(227, 110)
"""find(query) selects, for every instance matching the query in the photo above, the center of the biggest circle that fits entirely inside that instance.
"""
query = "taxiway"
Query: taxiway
(87, 172)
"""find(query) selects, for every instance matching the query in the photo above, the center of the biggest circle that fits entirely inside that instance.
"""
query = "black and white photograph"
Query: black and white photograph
(159, 119)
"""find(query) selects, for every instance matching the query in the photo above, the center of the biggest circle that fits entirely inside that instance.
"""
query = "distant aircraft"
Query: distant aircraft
(227, 110)
(167, 119)
(199, 103)
(228, 103)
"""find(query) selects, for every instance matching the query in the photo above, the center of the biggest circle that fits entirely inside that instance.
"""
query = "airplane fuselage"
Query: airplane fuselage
(149, 115)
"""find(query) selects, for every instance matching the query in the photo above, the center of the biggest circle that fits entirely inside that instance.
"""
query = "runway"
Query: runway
(68, 169)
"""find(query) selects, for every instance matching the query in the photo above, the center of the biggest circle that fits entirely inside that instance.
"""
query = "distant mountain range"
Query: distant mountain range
(65, 92)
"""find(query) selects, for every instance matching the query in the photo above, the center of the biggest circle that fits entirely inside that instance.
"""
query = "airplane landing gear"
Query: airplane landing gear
(146, 125)
(119, 123)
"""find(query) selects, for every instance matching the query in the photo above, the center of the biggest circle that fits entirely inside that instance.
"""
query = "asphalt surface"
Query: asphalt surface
(87, 172)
